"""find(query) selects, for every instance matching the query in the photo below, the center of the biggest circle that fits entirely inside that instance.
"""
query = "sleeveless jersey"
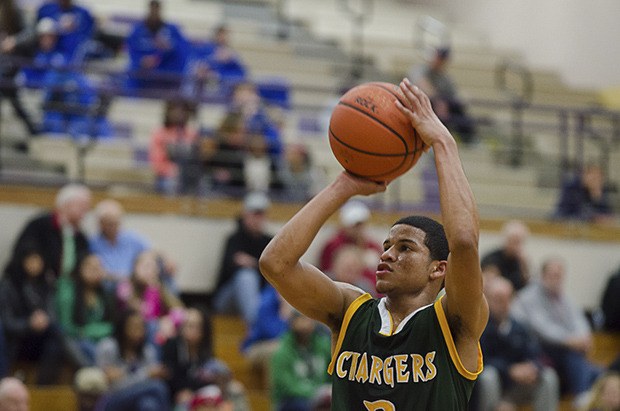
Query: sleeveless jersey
(415, 368)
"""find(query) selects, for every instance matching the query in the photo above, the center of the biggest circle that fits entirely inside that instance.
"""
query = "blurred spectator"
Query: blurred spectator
(216, 61)
(158, 52)
(145, 293)
(263, 336)
(433, 78)
(116, 247)
(17, 47)
(610, 304)
(258, 169)
(191, 365)
(132, 369)
(514, 373)
(14, 395)
(86, 312)
(173, 151)
(75, 25)
(89, 385)
(560, 325)
(257, 118)
(299, 176)
(349, 267)
(299, 366)
(223, 156)
(27, 313)
(239, 281)
(210, 398)
(585, 197)
(354, 217)
(510, 260)
(605, 395)
(46, 54)
(57, 234)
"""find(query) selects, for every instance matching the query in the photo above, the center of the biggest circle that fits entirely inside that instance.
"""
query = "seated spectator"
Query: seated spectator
(145, 293)
(299, 176)
(585, 197)
(172, 151)
(510, 259)
(74, 23)
(561, 327)
(299, 366)
(263, 336)
(86, 312)
(514, 373)
(605, 395)
(223, 155)
(214, 61)
(46, 55)
(353, 218)
(27, 313)
(433, 78)
(73, 105)
(350, 267)
(611, 303)
(14, 395)
(239, 281)
(57, 234)
(259, 171)
(16, 47)
(116, 247)
(257, 118)
(191, 365)
(132, 369)
(89, 385)
(158, 52)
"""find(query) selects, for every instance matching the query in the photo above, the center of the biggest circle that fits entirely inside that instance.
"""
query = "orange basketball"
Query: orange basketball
(370, 137)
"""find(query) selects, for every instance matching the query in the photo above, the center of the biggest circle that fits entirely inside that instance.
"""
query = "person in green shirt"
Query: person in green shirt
(85, 310)
(299, 365)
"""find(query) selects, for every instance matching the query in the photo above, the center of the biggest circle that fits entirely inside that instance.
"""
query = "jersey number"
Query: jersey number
(379, 405)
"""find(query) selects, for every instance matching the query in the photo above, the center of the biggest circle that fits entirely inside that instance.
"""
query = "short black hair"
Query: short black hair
(435, 239)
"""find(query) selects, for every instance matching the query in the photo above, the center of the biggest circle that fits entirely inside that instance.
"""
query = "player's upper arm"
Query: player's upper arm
(310, 291)
(464, 296)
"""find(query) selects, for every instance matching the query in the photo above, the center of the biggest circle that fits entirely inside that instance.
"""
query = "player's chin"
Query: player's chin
(382, 286)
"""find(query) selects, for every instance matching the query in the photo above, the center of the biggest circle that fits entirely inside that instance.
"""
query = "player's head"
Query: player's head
(435, 238)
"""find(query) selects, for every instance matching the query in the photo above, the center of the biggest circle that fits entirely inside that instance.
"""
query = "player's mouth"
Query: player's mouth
(383, 269)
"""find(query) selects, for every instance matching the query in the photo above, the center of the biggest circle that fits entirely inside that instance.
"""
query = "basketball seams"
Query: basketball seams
(401, 138)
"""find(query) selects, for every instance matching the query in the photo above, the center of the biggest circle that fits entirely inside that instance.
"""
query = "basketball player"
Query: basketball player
(409, 350)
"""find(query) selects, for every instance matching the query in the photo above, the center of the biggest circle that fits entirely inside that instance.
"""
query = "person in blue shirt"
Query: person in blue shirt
(116, 247)
(47, 55)
(75, 24)
(158, 52)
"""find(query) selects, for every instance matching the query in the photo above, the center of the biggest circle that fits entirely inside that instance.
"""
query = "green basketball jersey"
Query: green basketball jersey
(415, 367)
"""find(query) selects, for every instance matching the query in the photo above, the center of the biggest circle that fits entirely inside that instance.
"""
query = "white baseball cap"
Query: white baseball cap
(354, 212)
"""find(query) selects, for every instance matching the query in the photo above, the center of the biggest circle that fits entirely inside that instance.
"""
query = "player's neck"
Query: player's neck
(401, 306)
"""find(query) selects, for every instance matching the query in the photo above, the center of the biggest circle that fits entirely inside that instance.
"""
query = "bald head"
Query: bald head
(499, 293)
(515, 233)
(110, 214)
(13, 395)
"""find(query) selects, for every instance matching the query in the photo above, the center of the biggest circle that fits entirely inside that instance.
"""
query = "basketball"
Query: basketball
(370, 137)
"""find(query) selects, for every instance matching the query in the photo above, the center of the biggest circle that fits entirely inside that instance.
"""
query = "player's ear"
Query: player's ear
(438, 269)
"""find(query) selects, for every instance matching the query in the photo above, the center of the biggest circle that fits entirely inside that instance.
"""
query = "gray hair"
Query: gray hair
(71, 192)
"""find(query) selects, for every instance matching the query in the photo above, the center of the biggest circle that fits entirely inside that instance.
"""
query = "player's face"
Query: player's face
(404, 266)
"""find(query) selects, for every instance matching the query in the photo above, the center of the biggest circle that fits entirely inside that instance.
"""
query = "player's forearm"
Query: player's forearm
(458, 206)
(295, 237)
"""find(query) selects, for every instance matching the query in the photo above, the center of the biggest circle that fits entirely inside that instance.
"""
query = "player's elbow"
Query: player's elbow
(271, 265)
(464, 240)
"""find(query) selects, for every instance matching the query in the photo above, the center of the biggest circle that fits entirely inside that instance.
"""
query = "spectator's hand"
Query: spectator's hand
(8, 44)
(149, 62)
(114, 373)
(158, 371)
(582, 344)
(39, 321)
(245, 260)
(523, 373)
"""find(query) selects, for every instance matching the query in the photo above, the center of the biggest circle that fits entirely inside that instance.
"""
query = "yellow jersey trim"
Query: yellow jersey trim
(454, 355)
(345, 324)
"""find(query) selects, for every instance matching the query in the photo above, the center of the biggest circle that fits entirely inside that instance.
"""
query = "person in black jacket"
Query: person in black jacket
(611, 303)
(26, 310)
(240, 281)
(57, 233)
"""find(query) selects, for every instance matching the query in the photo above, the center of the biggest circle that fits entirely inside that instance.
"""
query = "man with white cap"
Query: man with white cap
(240, 282)
(354, 217)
